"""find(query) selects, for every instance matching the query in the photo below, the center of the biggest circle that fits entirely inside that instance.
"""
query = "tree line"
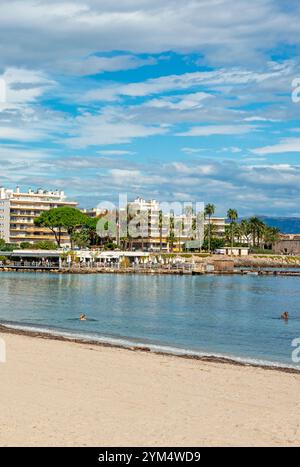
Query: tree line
(82, 231)
(252, 232)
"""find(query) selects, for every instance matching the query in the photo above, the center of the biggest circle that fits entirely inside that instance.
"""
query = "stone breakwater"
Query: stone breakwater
(261, 261)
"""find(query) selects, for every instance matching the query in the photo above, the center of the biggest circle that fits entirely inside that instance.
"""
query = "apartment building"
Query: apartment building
(167, 230)
(94, 212)
(218, 225)
(144, 216)
(19, 209)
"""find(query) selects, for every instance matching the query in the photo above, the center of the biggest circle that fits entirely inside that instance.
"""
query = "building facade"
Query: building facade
(19, 209)
(94, 213)
(288, 244)
(144, 224)
(165, 230)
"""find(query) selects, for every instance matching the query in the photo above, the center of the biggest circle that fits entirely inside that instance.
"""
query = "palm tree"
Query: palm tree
(171, 238)
(232, 216)
(210, 233)
(160, 226)
(118, 228)
(130, 216)
(261, 230)
(193, 229)
(124, 243)
(245, 230)
(209, 211)
(257, 228)
(180, 232)
(271, 235)
(145, 226)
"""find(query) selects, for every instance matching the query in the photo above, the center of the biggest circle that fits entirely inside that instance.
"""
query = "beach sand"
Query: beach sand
(58, 393)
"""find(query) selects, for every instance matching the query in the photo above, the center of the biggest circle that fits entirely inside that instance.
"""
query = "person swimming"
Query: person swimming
(83, 317)
(285, 316)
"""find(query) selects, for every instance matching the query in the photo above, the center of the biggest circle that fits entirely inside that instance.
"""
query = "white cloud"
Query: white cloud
(217, 130)
(216, 78)
(192, 150)
(221, 30)
(222, 80)
(24, 86)
(107, 93)
(122, 177)
(19, 134)
(108, 128)
(115, 152)
(180, 102)
(95, 64)
(42, 39)
(285, 145)
(275, 175)
(17, 154)
(256, 118)
(203, 169)
(233, 149)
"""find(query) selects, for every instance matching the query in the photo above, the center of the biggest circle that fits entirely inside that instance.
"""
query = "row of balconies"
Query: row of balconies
(22, 220)
(25, 213)
(36, 207)
(22, 237)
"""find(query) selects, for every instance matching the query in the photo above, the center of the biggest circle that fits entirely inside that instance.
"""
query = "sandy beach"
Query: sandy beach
(59, 393)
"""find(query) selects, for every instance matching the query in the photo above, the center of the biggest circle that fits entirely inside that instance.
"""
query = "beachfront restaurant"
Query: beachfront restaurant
(31, 259)
(110, 258)
(51, 259)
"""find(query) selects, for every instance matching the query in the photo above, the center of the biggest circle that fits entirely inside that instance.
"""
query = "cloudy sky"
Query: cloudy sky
(168, 99)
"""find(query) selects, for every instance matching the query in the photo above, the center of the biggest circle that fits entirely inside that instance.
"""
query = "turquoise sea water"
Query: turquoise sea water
(233, 316)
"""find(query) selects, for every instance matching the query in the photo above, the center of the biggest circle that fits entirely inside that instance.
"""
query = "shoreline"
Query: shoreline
(147, 348)
(278, 271)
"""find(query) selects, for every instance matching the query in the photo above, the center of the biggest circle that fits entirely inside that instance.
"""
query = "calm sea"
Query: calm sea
(233, 316)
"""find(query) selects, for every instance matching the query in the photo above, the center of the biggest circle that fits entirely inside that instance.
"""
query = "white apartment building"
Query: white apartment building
(19, 209)
(148, 212)
(153, 236)
(94, 212)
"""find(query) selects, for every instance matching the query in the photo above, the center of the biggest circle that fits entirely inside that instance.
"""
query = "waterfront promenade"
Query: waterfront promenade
(177, 264)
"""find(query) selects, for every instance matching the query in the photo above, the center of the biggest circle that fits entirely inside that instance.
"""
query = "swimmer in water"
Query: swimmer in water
(285, 316)
(82, 317)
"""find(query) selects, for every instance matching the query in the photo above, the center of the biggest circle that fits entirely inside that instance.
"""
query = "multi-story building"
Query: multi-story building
(94, 212)
(218, 225)
(165, 230)
(19, 209)
(144, 215)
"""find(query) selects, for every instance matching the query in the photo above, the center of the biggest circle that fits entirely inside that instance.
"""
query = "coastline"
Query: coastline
(279, 272)
(280, 265)
(64, 393)
(146, 348)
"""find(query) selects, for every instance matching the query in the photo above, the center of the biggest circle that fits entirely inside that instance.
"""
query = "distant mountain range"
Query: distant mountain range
(285, 224)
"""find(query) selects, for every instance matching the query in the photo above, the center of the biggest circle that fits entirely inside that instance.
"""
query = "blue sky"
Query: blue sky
(179, 101)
